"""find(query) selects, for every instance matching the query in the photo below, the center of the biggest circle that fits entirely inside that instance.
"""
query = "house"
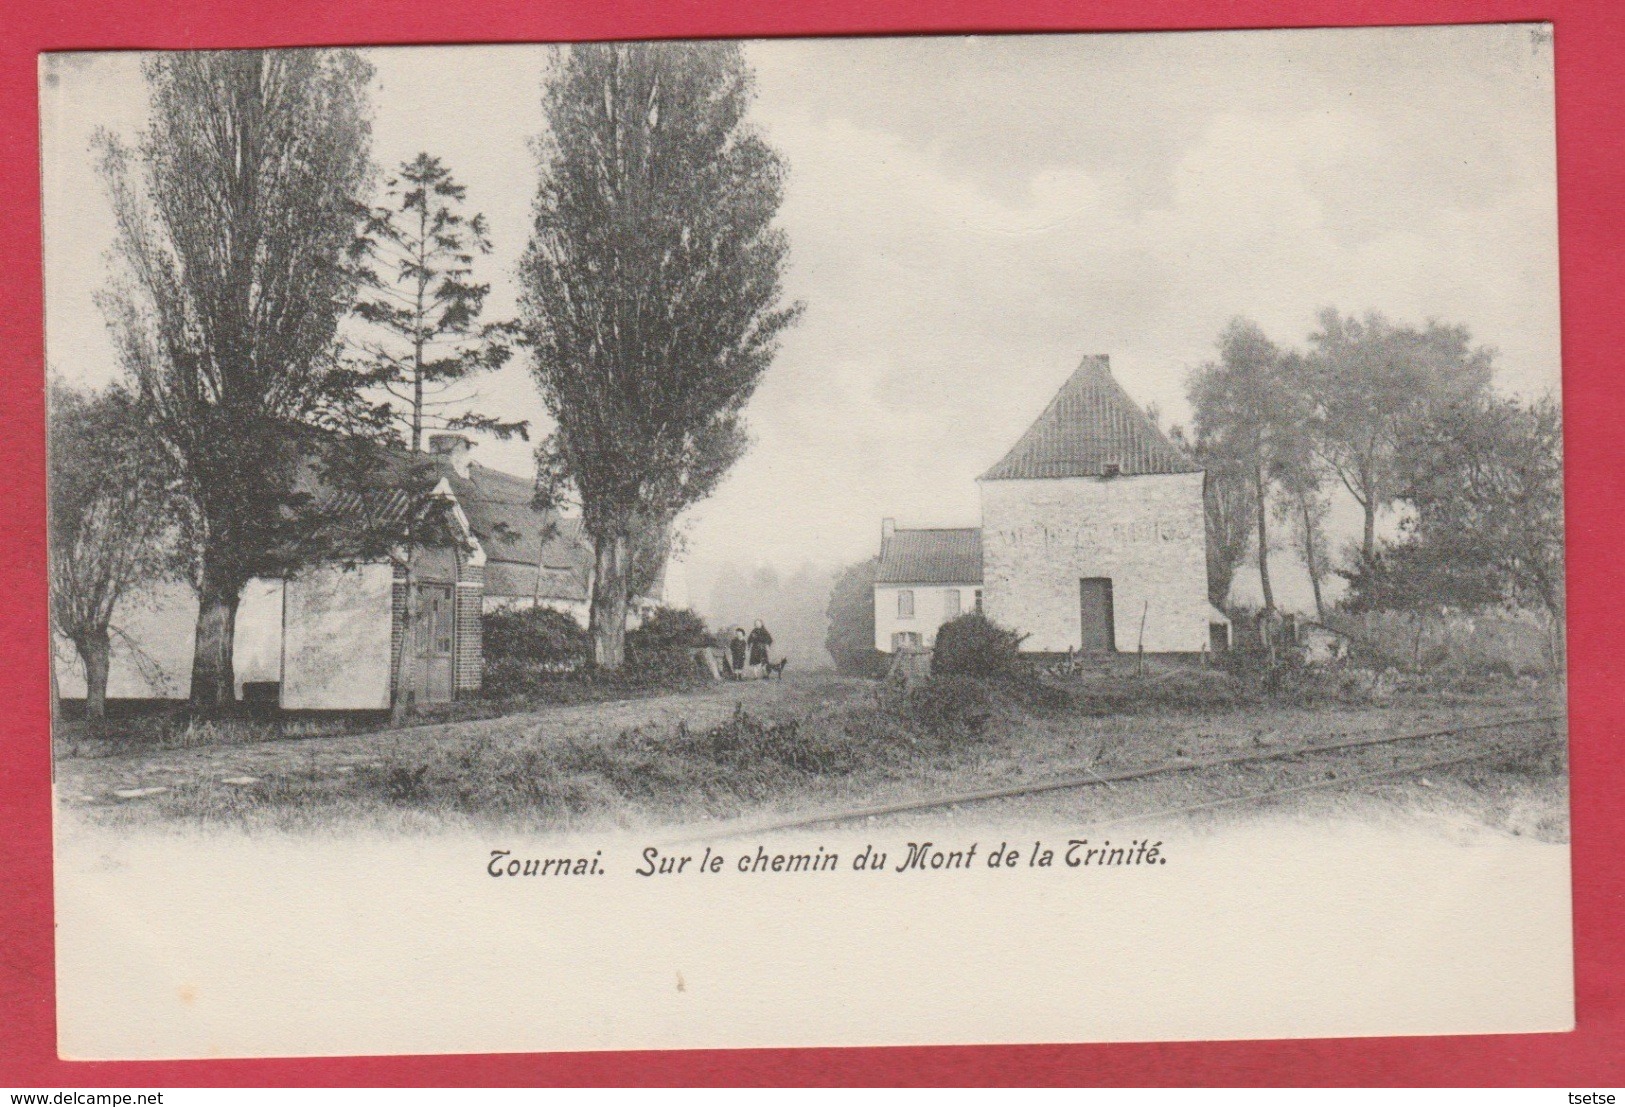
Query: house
(329, 636)
(1093, 539)
(534, 558)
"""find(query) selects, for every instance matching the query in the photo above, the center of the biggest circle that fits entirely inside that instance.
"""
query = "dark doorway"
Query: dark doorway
(432, 640)
(1099, 629)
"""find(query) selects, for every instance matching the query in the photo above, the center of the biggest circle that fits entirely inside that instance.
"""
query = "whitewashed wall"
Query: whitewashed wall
(1146, 533)
(152, 657)
(335, 650)
(930, 611)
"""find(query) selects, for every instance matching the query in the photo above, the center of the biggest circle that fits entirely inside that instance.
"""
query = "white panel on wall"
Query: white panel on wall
(257, 652)
(336, 626)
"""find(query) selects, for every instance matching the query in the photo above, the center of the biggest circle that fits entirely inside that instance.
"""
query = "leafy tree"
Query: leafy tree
(1303, 508)
(237, 212)
(424, 307)
(1411, 576)
(651, 290)
(1227, 508)
(1370, 382)
(110, 520)
(1249, 420)
(850, 640)
(1484, 479)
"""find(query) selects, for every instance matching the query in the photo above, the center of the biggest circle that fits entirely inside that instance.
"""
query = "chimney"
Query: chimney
(454, 450)
(888, 527)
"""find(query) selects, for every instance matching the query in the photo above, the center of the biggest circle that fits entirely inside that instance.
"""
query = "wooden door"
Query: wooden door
(1095, 605)
(433, 641)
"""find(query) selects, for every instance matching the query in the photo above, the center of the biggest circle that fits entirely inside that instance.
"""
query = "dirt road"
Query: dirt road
(91, 781)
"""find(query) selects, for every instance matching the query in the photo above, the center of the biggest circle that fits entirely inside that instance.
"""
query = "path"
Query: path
(95, 780)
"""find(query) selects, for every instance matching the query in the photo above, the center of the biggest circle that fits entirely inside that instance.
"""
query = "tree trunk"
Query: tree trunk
(214, 681)
(1263, 542)
(608, 614)
(1311, 562)
(95, 650)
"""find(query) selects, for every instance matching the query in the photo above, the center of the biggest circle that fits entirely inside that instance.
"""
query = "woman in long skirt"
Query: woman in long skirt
(759, 640)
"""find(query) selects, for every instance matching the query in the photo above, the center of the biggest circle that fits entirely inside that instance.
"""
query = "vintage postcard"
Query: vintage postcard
(1043, 538)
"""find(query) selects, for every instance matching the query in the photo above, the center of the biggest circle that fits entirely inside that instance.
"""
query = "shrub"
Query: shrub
(1489, 643)
(537, 636)
(529, 646)
(951, 703)
(973, 645)
(661, 650)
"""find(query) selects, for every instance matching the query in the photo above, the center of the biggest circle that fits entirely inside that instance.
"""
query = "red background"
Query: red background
(1590, 51)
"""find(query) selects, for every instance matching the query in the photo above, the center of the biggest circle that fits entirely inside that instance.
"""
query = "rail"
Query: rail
(1091, 778)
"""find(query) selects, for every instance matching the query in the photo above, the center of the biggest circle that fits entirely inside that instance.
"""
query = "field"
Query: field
(731, 756)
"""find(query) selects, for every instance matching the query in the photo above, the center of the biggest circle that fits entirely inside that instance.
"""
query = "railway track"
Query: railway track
(1284, 771)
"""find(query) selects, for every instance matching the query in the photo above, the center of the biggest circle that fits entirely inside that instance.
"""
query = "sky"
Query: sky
(969, 217)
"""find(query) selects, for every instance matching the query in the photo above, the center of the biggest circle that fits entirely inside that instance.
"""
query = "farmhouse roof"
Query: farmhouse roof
(530, 552)
(947, 556)
(1090, 425)
(364, 496)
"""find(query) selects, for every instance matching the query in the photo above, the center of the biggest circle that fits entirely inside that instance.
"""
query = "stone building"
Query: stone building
(1093, 539)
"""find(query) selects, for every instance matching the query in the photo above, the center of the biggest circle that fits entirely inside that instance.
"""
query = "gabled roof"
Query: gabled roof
(950, 556)
(530, 552)
(363, 496)
(1090, 424)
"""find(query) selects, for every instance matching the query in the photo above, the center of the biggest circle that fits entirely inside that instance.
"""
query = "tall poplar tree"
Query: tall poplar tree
(237, 213)
(652, 297)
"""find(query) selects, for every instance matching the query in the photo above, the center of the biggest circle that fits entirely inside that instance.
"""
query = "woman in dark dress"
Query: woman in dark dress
(760, 639)
(738, 648)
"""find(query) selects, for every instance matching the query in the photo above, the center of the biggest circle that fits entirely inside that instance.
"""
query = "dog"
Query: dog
(777, 667)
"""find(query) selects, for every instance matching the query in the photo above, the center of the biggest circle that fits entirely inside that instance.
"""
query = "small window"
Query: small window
(905, 604)
(950, 604)
(978, 601)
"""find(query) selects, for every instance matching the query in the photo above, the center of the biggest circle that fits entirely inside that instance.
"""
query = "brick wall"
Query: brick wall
(1146, 534)
(397, 627)
(469, 664)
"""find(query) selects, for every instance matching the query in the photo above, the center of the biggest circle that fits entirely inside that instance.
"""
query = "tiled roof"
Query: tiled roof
(500, 511)
(1090, 424)
(931, 557)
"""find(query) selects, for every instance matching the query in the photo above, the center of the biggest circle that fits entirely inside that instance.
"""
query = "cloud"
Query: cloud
(969, 217)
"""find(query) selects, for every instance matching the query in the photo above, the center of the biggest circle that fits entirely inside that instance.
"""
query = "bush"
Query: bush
(951, 704)
(1484, 644)
(525, 647)
(536, 636)
(973, 645)
(661, 650)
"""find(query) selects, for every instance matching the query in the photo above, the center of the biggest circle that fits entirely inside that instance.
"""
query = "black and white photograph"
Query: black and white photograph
(671, 544)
